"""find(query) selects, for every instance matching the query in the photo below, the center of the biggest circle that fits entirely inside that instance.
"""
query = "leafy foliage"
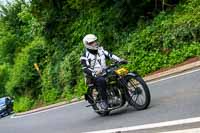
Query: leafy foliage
(23, 104)
(4, 71)
(23, 76)
(171, 38)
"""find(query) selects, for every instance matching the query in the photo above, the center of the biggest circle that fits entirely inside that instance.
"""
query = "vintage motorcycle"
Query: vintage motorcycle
(122, 86)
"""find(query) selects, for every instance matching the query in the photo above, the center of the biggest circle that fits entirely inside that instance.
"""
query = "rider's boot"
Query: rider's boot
(104, 105)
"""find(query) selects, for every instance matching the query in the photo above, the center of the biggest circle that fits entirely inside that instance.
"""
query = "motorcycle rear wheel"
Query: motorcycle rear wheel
(138, 94)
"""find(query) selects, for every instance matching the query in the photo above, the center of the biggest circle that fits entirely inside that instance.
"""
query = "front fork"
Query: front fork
(124, 84)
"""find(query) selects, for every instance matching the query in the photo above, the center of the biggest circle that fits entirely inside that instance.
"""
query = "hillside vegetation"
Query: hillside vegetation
(48, 34)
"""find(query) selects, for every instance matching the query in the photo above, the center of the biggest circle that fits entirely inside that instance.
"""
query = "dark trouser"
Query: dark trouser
(100, 83)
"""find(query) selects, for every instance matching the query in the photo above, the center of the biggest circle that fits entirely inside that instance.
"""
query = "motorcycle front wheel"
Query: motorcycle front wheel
(138, 94)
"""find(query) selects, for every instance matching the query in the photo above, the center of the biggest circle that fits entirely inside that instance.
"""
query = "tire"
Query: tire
(136, 88)
(95, 105)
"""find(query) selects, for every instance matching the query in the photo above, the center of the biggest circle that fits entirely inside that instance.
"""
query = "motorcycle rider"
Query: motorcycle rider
(93, 62)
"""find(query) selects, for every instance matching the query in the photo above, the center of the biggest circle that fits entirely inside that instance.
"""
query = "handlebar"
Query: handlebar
(117, 63)
(113, 66)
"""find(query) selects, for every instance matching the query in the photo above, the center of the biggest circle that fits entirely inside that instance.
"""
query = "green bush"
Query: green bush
(81, 88)
(23, 75)
(4, 72)
(23, 104)
(49, 95)
(7, 45)
(171, 38)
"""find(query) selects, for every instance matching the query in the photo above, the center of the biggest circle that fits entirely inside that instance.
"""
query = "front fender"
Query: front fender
(132, 74)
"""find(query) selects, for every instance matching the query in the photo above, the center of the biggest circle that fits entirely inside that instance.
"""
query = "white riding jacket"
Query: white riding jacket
(96, 62)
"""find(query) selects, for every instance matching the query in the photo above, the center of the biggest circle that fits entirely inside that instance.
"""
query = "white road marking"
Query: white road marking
(54, 108)
(150, 126)
(174, 76)
(193, 130)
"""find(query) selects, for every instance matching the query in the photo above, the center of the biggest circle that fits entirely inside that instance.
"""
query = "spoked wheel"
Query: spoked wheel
(96, 104)
(138, 94)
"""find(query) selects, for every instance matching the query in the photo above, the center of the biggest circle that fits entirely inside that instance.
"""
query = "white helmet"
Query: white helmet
(88, 39)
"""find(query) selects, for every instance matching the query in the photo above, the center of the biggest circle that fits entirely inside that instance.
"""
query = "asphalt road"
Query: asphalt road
(172, 99)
